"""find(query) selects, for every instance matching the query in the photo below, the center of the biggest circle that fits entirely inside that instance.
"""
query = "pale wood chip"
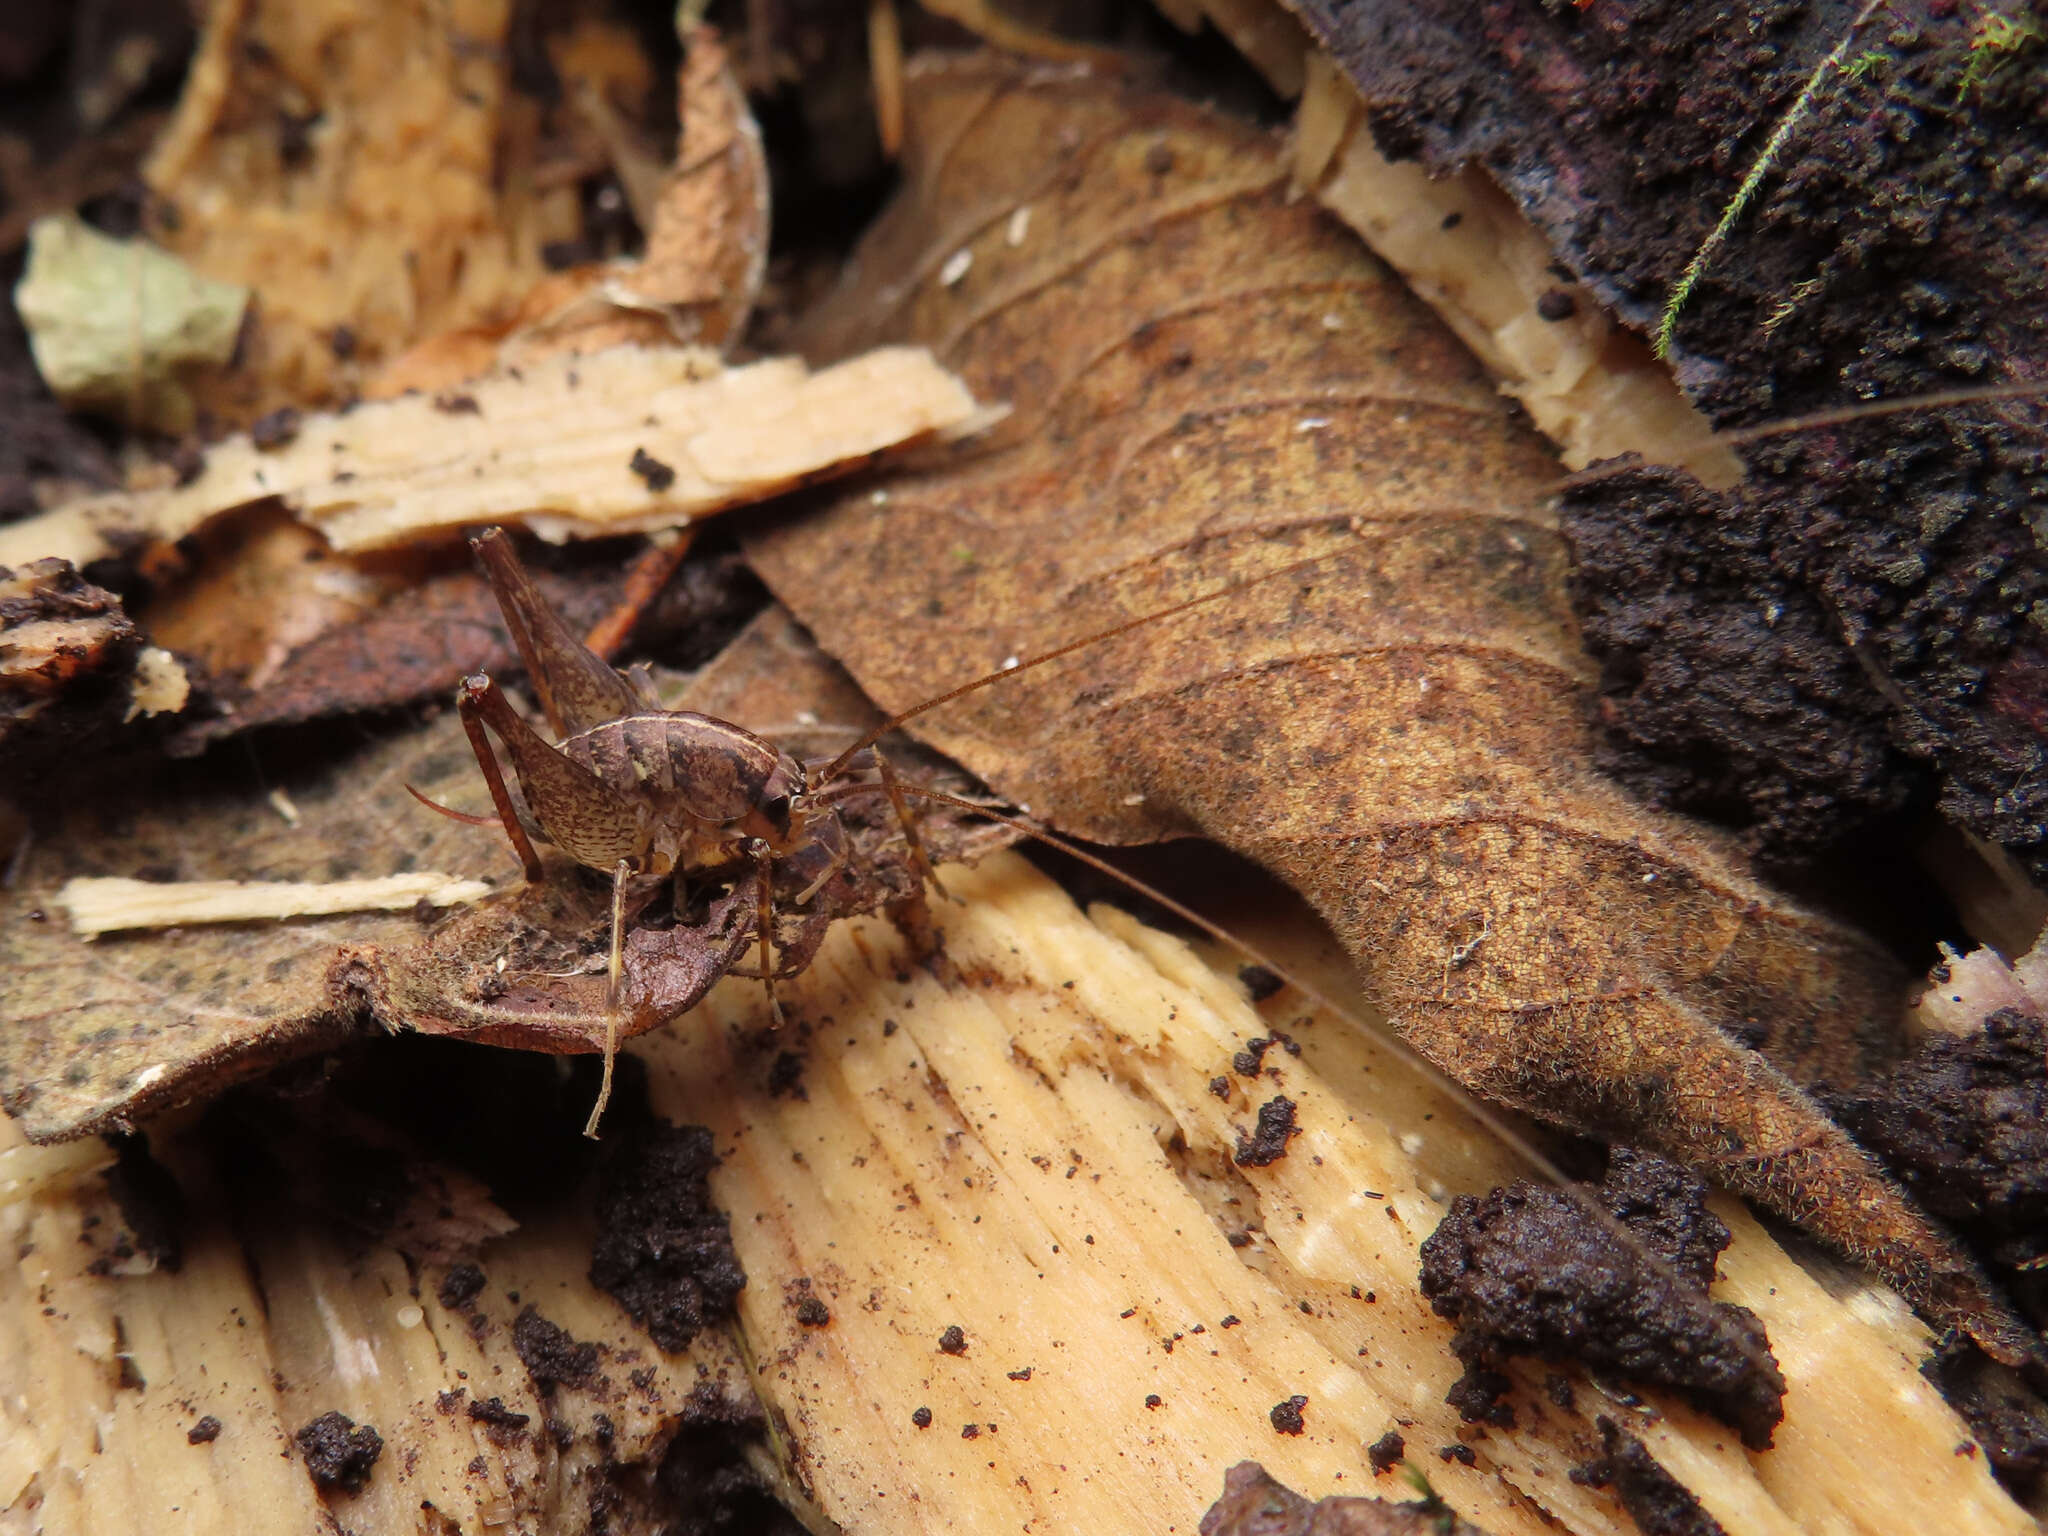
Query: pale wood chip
(626, 440)
(110, 904)
(1591, 387)
(1036, 1152)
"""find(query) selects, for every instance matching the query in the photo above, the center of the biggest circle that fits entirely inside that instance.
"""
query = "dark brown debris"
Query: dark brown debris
(1287, 1415)
(1267, 1144)
(1253, 1504)
(551, 1357)
(1385, 1453)
(204, 1432)
(1963, 1123)
(1659, 1503)
(460, 1286)
(659, 476)
(339, 1453)
(1536, 1270)
(663, 1249)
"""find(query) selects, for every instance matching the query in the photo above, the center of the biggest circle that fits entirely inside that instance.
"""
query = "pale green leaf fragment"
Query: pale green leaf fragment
(116, 324)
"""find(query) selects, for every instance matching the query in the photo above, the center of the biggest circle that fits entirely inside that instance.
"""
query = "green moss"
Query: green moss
(1997, 40)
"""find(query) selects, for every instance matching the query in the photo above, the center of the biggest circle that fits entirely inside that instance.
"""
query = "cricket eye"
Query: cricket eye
(777, 810)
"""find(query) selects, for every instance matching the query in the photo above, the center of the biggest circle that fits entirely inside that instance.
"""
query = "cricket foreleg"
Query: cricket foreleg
(764, 887)
(903, 819)
(617, 977)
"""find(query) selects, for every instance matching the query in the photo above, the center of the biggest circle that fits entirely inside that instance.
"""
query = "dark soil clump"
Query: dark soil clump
(1267, 1144)
(551, 1357)
(1963, 1123)
(460, 1286)
(1659, 1503)
(663, 1249)
(339, 1453)
(1287, 1416)
(1531, 1270)
(1385, 1453)
(1725, 690)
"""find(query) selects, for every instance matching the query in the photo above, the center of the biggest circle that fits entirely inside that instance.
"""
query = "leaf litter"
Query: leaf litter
(1469, 948)
(1208, 384)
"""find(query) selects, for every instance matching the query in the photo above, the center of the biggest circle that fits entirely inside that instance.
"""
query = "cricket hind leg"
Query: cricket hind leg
(577, 811)
(616, 975)
(577, 688)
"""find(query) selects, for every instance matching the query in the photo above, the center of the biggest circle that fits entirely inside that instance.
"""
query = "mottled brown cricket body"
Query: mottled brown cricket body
(695, 771)
(635, 791)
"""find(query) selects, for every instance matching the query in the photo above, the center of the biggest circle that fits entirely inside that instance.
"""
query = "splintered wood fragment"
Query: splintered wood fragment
(1465, 249)
(626, 440)
(140, 1397)
(110, 904)
(1037, 1149)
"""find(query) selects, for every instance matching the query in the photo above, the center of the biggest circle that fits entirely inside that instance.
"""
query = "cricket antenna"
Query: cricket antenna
(839, 764)
(1836, 416)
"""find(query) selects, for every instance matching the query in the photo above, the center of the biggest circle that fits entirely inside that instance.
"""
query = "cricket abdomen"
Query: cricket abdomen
(709, 769)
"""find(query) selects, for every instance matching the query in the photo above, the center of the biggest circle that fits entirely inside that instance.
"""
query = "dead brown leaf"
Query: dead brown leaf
(1212, 382)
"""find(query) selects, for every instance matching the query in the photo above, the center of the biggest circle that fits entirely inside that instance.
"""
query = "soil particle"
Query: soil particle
(275, 430)
(953, 1341)
(205, 1432)
(1386, 1452)
(492, 1413)
(1246, 1062)
(663, 1250)
(1253, 1504)
(460, 1286)
(786, 1077)
(339, 1453)
(1461, 1453)
(1287, 1416)
(1480, 1397)
(551, 1357)
(921, 1417)
(151, 1204)
(1267, 1144)
(658, 476)
(1531, 1270)
(1659, 1503)
(813, 1313)
(1259, 981)
(1963, 1123)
